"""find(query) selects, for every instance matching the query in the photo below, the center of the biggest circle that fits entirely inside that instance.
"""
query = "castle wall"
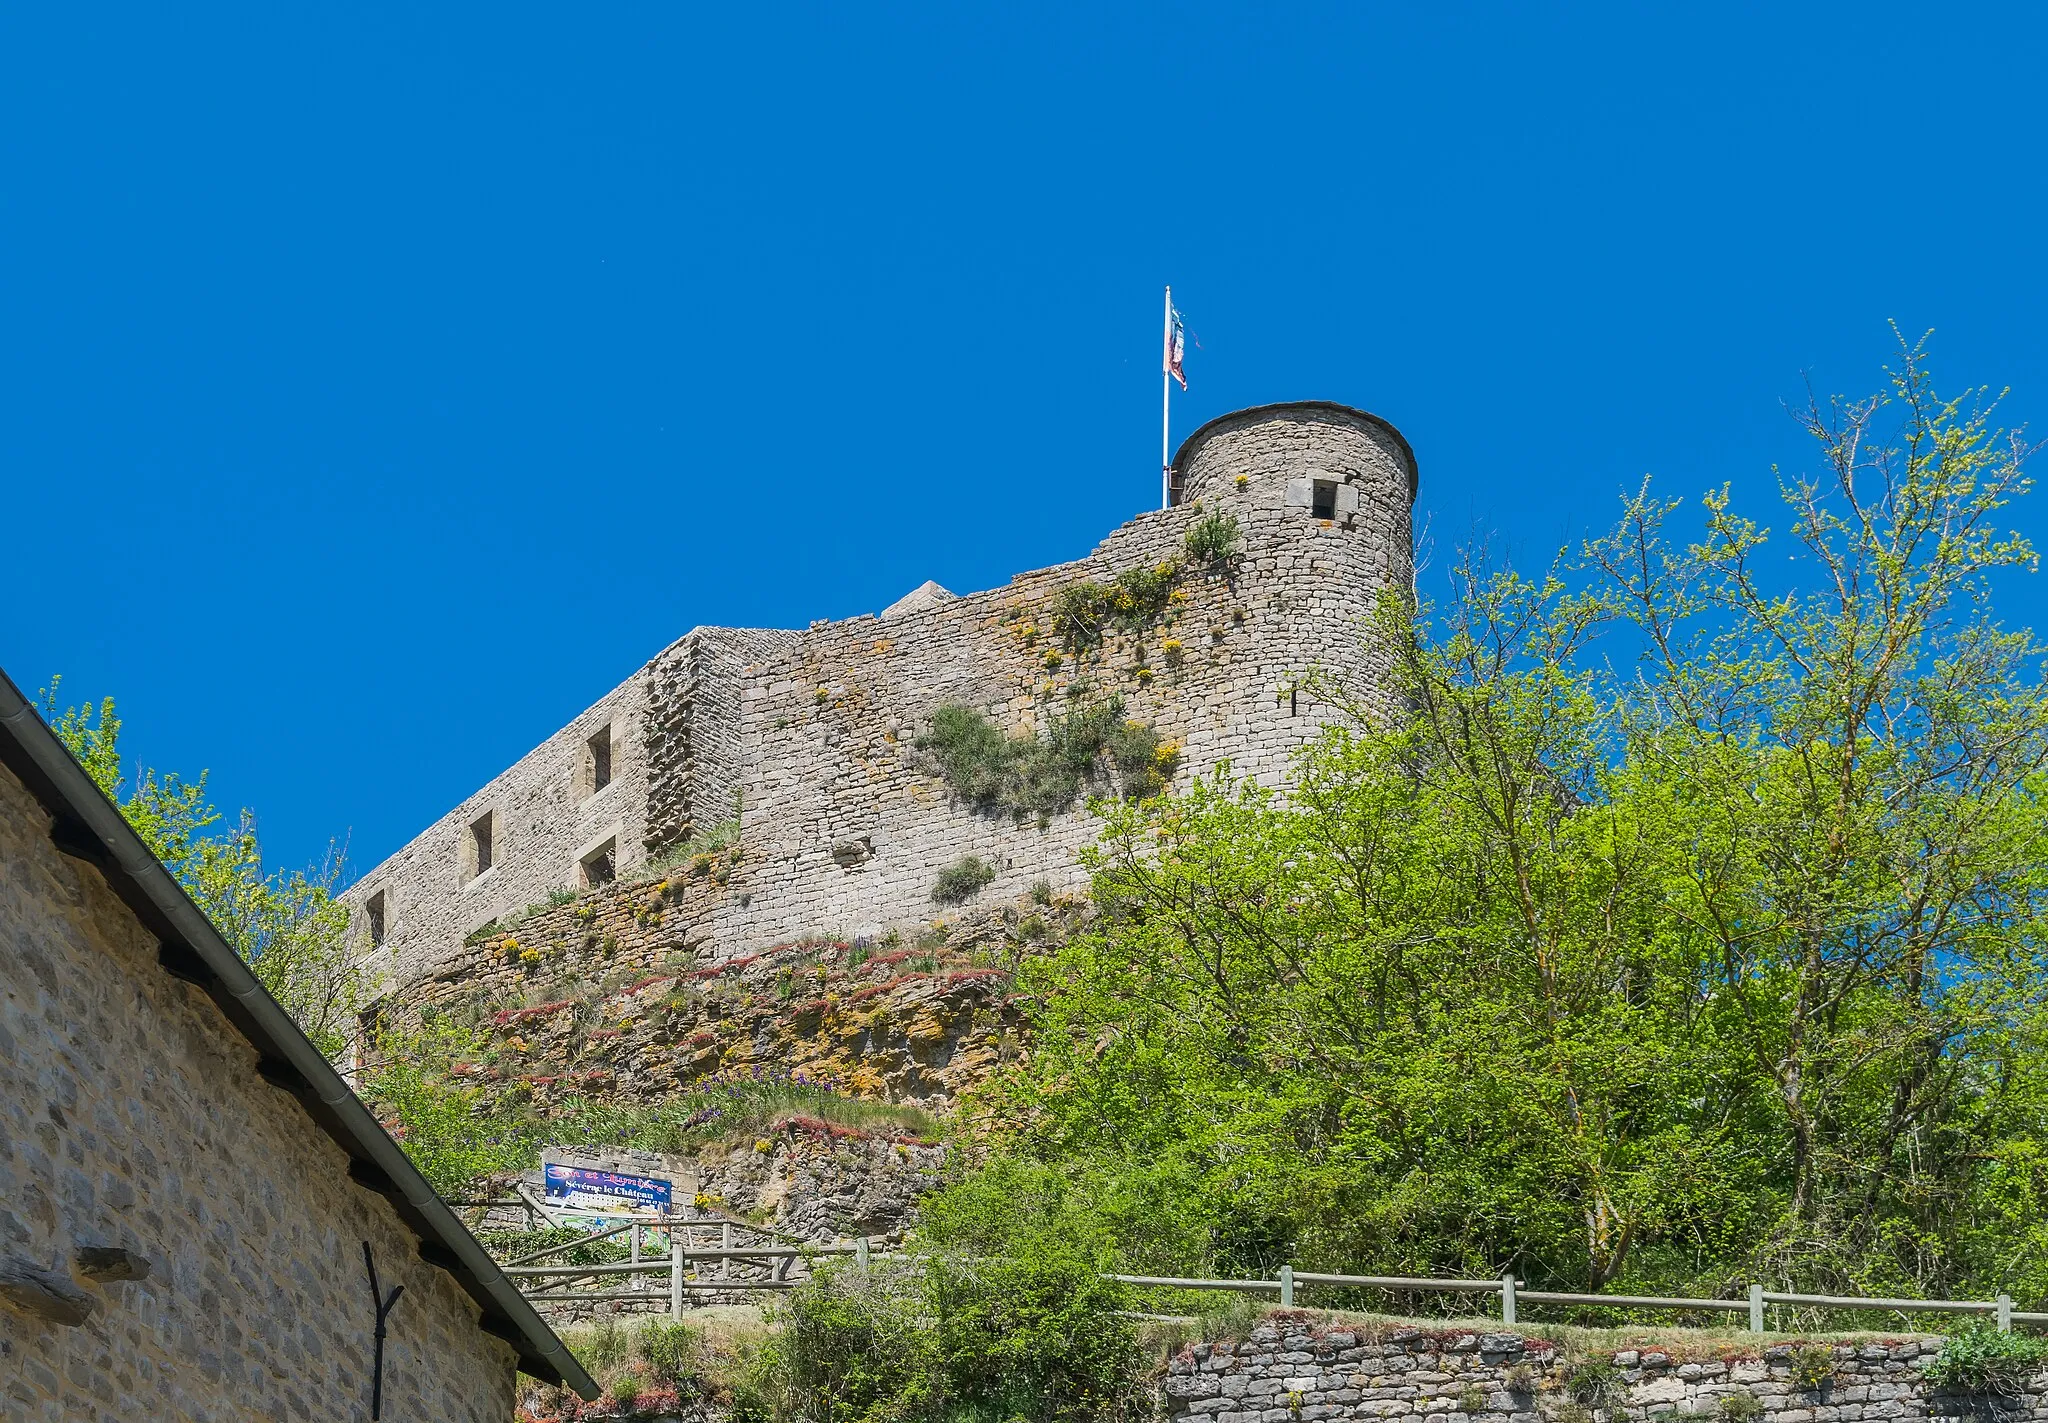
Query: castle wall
(846, 825)
(716, 772)
(542, 819)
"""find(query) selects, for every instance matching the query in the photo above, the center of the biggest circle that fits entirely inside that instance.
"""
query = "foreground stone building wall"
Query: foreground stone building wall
(1297, 1368)
(807, 740)
(134, 1124)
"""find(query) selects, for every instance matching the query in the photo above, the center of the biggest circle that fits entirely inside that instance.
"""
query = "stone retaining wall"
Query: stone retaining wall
(1298, 1369)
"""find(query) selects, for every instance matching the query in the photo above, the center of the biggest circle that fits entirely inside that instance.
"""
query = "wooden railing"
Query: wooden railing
(776, 1262)
(1511, 1294)
(747, 1257)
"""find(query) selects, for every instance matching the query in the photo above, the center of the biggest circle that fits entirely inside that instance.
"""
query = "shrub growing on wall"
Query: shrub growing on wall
(1131, 601)
(1042, 775)
(1979, 1359)
(963, 879)
(1213, 538)
(974, 757)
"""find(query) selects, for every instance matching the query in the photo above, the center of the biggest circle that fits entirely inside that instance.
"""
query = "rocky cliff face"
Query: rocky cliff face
(606, 1000)
(819, 1181)
(640, 1024)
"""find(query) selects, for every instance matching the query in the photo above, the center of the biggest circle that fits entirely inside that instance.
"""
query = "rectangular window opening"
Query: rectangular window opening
(480, 845)
(601, 866)
(373, 910)
(1324, 505)
(597, 761)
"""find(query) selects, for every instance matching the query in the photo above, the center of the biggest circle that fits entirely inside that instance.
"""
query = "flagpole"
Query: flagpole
(1166, 407)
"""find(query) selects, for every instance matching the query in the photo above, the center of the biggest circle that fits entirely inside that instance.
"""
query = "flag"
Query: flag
(1176, 348)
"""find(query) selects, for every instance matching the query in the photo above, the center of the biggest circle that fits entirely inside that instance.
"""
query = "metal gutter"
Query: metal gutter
(89, 826)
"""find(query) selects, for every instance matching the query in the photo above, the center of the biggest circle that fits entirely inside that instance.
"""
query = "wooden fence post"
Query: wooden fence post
(1756, 1309)
(860, 1252)
(675, 1274)
(1507, 1298)
(2004, 1313)
(1287, 1287)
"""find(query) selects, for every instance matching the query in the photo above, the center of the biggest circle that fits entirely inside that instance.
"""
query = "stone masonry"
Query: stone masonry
(1298, 1368)
(807, 740)
(198, 1235)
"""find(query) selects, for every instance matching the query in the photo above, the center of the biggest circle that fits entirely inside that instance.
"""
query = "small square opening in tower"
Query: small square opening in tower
(597, 760)
(480, 838)
(1323, 499)
(373, 912)
(600, 866)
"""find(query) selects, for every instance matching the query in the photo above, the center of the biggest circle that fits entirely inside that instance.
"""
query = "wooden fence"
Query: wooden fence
(745, 1256)
(771, 1261)
(1511, 1295)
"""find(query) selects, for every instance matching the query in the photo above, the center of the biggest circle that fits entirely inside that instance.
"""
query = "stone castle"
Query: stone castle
(796, 753)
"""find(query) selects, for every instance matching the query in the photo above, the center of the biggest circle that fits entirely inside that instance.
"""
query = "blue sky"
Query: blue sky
(380, 387)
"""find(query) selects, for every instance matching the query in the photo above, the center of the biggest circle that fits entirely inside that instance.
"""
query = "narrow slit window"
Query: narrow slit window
(1324, 505)
(597, 761)
(480, 845)
(373, 911)
(601, 866)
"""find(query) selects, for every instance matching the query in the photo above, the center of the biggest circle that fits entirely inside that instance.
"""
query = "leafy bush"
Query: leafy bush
(1740, 1407)
(854, 1347)
(1036, 1337)
(670, 1351)
(409, 1080)
(1077, 616)
(1979, 1359)
(1132, 600)
(973, 755)
(962, 880)
(1213, 538)
(651, 1365)
(1041, 1336)
(1043, 774)
(1144, 759)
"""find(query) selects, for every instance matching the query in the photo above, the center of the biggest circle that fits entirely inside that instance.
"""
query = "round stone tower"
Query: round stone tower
(1338, 463)
(1323, 495)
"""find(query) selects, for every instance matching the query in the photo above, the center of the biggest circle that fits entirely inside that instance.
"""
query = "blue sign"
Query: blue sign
(580, 1188)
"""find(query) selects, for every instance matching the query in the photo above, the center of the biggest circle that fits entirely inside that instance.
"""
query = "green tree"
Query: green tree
(286, 924)
(414, 1082)
(1716, 956)
(1857, 754)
